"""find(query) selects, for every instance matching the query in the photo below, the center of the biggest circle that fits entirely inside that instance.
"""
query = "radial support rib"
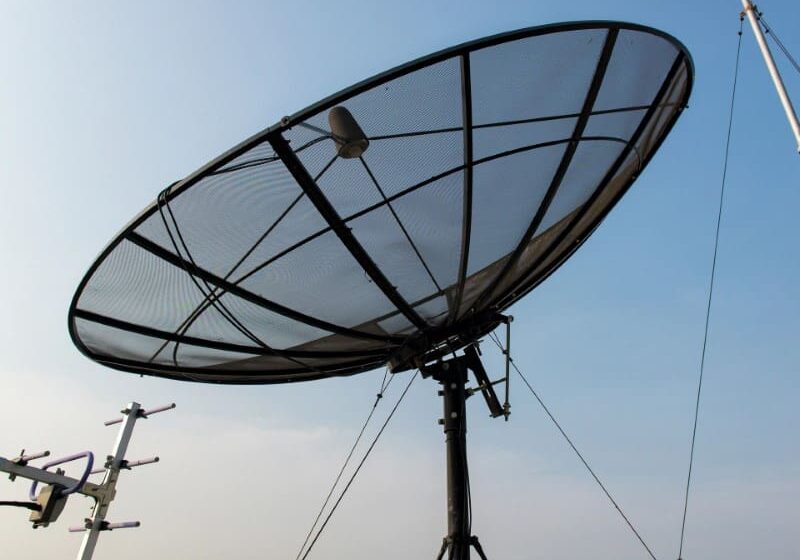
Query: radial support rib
(466, 219)
(329, 214)
(247, 295)
(566, 160)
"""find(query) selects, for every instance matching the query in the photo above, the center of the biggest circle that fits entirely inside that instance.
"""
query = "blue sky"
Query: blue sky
(104, 104)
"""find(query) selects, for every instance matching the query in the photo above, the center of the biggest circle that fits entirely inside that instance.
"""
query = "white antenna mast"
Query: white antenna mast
(752, 14)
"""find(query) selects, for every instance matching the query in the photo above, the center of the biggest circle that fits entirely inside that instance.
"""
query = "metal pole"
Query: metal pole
(95, 523)
(506, 403)
(752, 15)
(453, 380)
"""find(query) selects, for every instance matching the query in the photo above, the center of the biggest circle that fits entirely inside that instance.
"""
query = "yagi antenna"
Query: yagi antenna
(47, 504)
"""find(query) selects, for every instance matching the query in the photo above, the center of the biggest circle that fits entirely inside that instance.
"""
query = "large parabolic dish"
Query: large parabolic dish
(338, 241)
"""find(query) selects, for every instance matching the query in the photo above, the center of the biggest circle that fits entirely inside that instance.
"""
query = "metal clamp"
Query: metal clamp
(105, 526)
(141, 413)
(23, 460)
(126, 464)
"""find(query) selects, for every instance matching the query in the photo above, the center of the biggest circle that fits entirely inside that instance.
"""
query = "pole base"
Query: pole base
(448, 544)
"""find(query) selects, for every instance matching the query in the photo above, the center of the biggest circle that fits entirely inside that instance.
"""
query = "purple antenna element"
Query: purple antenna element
(81, 481)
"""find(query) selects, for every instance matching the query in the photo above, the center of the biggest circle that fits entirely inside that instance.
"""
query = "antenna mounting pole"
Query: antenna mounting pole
(753, 16)
(453, 375)
(115, 463)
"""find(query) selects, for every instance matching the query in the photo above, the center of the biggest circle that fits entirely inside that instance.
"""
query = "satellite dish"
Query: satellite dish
(392, 221)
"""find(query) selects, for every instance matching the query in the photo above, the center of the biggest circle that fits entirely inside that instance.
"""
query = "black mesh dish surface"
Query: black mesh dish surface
(477, 171)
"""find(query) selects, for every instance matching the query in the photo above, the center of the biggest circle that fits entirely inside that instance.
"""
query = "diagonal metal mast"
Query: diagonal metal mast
(753, 16)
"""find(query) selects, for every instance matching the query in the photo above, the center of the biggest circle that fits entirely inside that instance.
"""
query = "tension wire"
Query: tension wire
(360, 464)
(771, 32)
(378, 397)
(575, 449)
(711, 286)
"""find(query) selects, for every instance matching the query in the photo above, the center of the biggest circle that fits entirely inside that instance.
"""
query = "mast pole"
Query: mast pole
(752, 15)
(453, 378)
(452, 374)
(115, 463)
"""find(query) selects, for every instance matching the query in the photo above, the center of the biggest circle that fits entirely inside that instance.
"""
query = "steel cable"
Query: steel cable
(360, 464)
(378, 397)
(711, 287)
(575, 449)
(771, 32)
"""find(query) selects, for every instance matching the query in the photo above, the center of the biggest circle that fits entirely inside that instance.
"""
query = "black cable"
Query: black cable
(358, 468)
(575, 449)
(771, 32)
(469, 493)
(33, 506)
(711, 287)
(378, 397)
